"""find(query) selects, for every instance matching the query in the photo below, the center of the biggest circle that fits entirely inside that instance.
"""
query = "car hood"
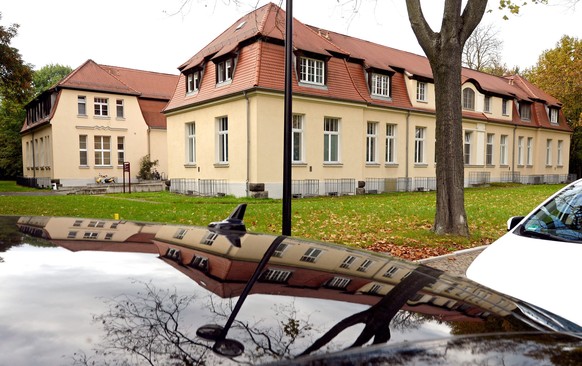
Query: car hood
(76, 291)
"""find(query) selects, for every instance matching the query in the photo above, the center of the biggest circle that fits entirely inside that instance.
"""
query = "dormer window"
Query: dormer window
(193, 81)
(380, 85)
(312, 71)
(553, 114)
(525, 111)
(468, 99)
(224, 70)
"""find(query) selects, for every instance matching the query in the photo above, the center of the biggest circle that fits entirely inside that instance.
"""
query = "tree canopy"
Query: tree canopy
(48, 76)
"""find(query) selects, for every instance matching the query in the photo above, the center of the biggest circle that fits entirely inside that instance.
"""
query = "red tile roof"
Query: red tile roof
(258, 38)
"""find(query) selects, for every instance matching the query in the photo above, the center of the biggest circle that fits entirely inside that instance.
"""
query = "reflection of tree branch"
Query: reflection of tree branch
(146, 326)
(377, 318)
(274, 342)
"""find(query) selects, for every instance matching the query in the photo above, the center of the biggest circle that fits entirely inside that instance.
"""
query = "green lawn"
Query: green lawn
(381, 222)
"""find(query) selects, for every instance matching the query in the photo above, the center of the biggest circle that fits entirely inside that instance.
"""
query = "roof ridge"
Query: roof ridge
(102, 67)
(66, 78)
(139, 70)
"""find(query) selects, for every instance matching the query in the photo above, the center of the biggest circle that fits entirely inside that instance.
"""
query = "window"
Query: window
(81, 105)
(348, 262)
(108, 236)
(391, 272)
(311, 255)
(520, 150)
(560, 157)
(467, 149)
(338, 282)
(419, 136)
(505, 107)
(390, 143)
(90, 235)
(193, 81)
(371, 139)
(119, 108)
(364, 266)
(280, 249)
(199, 263)
(83, 150)
(375, 289)
(549, 152)
(525, 111)
(421, 92)
(380, 85)
(180, 233)
(96, 224)
(102, 146)
(275, 275)
(222, 140)
(553, 115)
(468, 99)
(120, 150)
(72, 235)
(489, 149)
(224, 70)
(331, 140)
(487, 104)
(209, 238)
(78, 223)
(530, 151)
(297, 135)
(503, 150)
(101, 107)
(191, 143)
(311, 71)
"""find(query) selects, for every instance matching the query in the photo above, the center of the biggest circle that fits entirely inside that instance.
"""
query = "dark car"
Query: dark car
(114, 292)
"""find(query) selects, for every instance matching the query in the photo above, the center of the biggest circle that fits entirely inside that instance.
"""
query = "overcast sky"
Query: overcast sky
(143, 34)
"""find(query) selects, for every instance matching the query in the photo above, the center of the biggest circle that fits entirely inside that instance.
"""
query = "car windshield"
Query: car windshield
(558, 219)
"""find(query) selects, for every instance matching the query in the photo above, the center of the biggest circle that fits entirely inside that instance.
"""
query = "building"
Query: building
(94, 120)
(362, 112)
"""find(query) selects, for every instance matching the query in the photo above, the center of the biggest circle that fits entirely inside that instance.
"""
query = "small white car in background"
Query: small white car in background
(539, 260)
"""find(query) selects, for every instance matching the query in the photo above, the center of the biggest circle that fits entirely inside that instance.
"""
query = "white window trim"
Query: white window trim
(328, 136)
(371, 142)
(421, 91)
(420, 145)
(380, 85)
(311, 71)
(297, 131)
(222, 141)
(391, 143)
(190, 143)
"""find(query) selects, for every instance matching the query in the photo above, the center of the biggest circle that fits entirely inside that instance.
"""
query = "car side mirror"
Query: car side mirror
(513, 221)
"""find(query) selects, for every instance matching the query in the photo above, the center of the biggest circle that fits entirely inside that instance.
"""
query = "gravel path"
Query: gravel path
(454, 263)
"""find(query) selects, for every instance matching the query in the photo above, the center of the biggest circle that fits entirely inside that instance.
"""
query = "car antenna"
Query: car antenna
(234, 222)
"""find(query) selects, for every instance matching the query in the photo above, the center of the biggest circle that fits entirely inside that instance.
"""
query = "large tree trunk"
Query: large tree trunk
(444, 51)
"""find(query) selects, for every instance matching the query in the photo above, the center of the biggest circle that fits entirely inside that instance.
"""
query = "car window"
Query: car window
(560, 217)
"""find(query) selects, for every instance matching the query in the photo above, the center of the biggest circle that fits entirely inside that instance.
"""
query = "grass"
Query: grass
(375, 221)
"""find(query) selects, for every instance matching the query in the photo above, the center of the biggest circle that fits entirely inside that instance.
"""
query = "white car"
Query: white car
(539, 260)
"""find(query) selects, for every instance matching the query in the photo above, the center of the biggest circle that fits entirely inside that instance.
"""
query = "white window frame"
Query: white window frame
(224, 71)
(525, 111)
(101, 106)
(102, 149)
(553, 115)
(560, 153)
(380, 85)
(390, 272)
(312, 71)
(222, 140)
(365, 265)
(297, 138)
(331, 140)
(419, 145)
(339, 282)
(193, 82)
(371, 142)
(275, 275)
(82, 105)
(549, 146)
(190, 143)
(421, 91)
(530, 151)
(503, 151)
(468, 99)
(468, 137)
(505, 107)
(311, 255)
(489, 149)
(119, 108)
(390, 143)
(120, 150)
(520, 150)
(487, 104)
(348, 261)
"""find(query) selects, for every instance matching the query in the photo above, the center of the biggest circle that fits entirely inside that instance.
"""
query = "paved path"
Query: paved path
(455, 263)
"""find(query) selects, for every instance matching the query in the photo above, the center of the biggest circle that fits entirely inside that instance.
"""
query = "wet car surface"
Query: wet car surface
(84, 291)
